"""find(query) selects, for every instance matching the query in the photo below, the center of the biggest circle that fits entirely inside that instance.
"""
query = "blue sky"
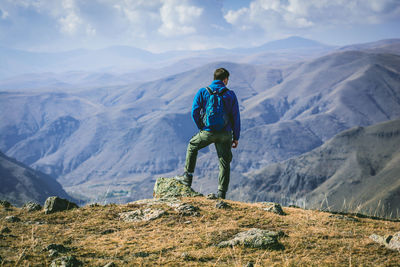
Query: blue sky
(161, 25)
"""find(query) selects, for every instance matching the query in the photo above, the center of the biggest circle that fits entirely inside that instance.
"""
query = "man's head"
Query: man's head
(222, 75)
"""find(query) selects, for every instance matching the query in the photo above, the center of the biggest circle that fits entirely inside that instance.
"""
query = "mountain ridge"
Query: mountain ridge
(21, 184)
(339, 176)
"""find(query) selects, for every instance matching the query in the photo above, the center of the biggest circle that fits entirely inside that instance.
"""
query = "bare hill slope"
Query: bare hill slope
(21, 184)
(358, 170)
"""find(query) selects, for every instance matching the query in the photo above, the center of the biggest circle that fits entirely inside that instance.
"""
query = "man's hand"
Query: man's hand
(235, 143)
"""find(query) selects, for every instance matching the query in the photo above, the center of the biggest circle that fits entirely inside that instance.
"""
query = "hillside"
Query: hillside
(357, 170)
(21, 184)
(97, 235)
(109, 142)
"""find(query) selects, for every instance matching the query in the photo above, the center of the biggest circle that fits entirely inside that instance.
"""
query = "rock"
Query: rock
(5, 230)
(186, 209)
(53, 253)
(141, 254)
(12, 219)
(5, 203)
(389, 241)
(186, 257)
(169, 187)
(66, 261)
(254, 238)
(345, 218)
(36, 223)
(32, 206)
(57, 247)
(273, 207)
(108, 231)
(222, 205)
(54, 204)
(171, 201)
(212, 196)
(141, 215)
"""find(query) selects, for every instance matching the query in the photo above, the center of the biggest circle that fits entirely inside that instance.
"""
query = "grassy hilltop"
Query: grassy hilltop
(97, 235)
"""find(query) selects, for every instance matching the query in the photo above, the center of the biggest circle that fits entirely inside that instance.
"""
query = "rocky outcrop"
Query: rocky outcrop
(169, 187)
(254, 238)
(390, 241)
(54, 204)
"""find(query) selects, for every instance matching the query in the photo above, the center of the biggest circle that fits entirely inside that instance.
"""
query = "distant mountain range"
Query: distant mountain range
(69, 67)
(112, 141)
(21, 184)
(356, 171)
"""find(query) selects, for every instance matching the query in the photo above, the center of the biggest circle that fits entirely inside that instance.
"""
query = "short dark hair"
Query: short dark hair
(221, 74)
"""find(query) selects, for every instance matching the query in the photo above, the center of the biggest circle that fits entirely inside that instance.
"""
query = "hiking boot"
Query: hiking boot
(221, 194)
(185, 179)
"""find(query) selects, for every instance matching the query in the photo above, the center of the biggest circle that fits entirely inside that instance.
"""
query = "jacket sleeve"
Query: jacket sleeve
(196, 110)
(235, 118)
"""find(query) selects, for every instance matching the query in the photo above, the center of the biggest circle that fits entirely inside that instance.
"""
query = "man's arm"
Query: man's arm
(196, 108)
(235, 143)
(235, 122)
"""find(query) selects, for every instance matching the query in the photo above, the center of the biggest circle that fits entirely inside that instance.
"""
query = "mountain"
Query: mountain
(21, 184)
(292, 44)
(119, 60)
(111, 141)
(391, 46)
(356, 171)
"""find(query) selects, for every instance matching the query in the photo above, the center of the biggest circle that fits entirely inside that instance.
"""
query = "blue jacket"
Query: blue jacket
(231, 107)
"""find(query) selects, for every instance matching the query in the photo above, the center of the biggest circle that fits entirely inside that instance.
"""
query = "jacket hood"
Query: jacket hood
(217, 85)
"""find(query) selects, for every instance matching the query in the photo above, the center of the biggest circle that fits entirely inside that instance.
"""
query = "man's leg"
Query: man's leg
(224, 147)
(198, 141)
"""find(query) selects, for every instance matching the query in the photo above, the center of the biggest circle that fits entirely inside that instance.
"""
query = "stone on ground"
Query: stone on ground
(32, 206)
(222, 205)
(169, 187)
(12, 219)
(389, 241)
(66, 261)
(254, 238)
(273, 207)
(5, 203)
(186, 209)
(54, 204)
(141, 215)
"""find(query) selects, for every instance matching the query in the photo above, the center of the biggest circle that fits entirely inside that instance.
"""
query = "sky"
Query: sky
(163, 25)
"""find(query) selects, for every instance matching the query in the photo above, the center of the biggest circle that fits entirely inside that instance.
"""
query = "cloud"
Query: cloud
(179, 18)
(3, 14)
(162, 25)
(286, 15)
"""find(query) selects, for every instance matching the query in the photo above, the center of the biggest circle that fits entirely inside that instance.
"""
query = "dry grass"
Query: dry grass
(313, 238)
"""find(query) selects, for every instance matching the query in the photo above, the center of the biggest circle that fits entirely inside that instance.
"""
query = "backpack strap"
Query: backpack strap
(220, 93)
(209, 90)
(223, 91)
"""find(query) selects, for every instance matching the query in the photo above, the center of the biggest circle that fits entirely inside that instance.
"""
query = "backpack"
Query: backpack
(215, 117)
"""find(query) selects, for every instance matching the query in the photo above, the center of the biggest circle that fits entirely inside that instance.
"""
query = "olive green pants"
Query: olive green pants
(223, 145)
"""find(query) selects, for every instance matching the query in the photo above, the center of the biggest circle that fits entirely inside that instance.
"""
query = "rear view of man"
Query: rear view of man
(216, 113)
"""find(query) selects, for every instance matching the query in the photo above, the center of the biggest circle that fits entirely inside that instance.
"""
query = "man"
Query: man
(224, 139)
